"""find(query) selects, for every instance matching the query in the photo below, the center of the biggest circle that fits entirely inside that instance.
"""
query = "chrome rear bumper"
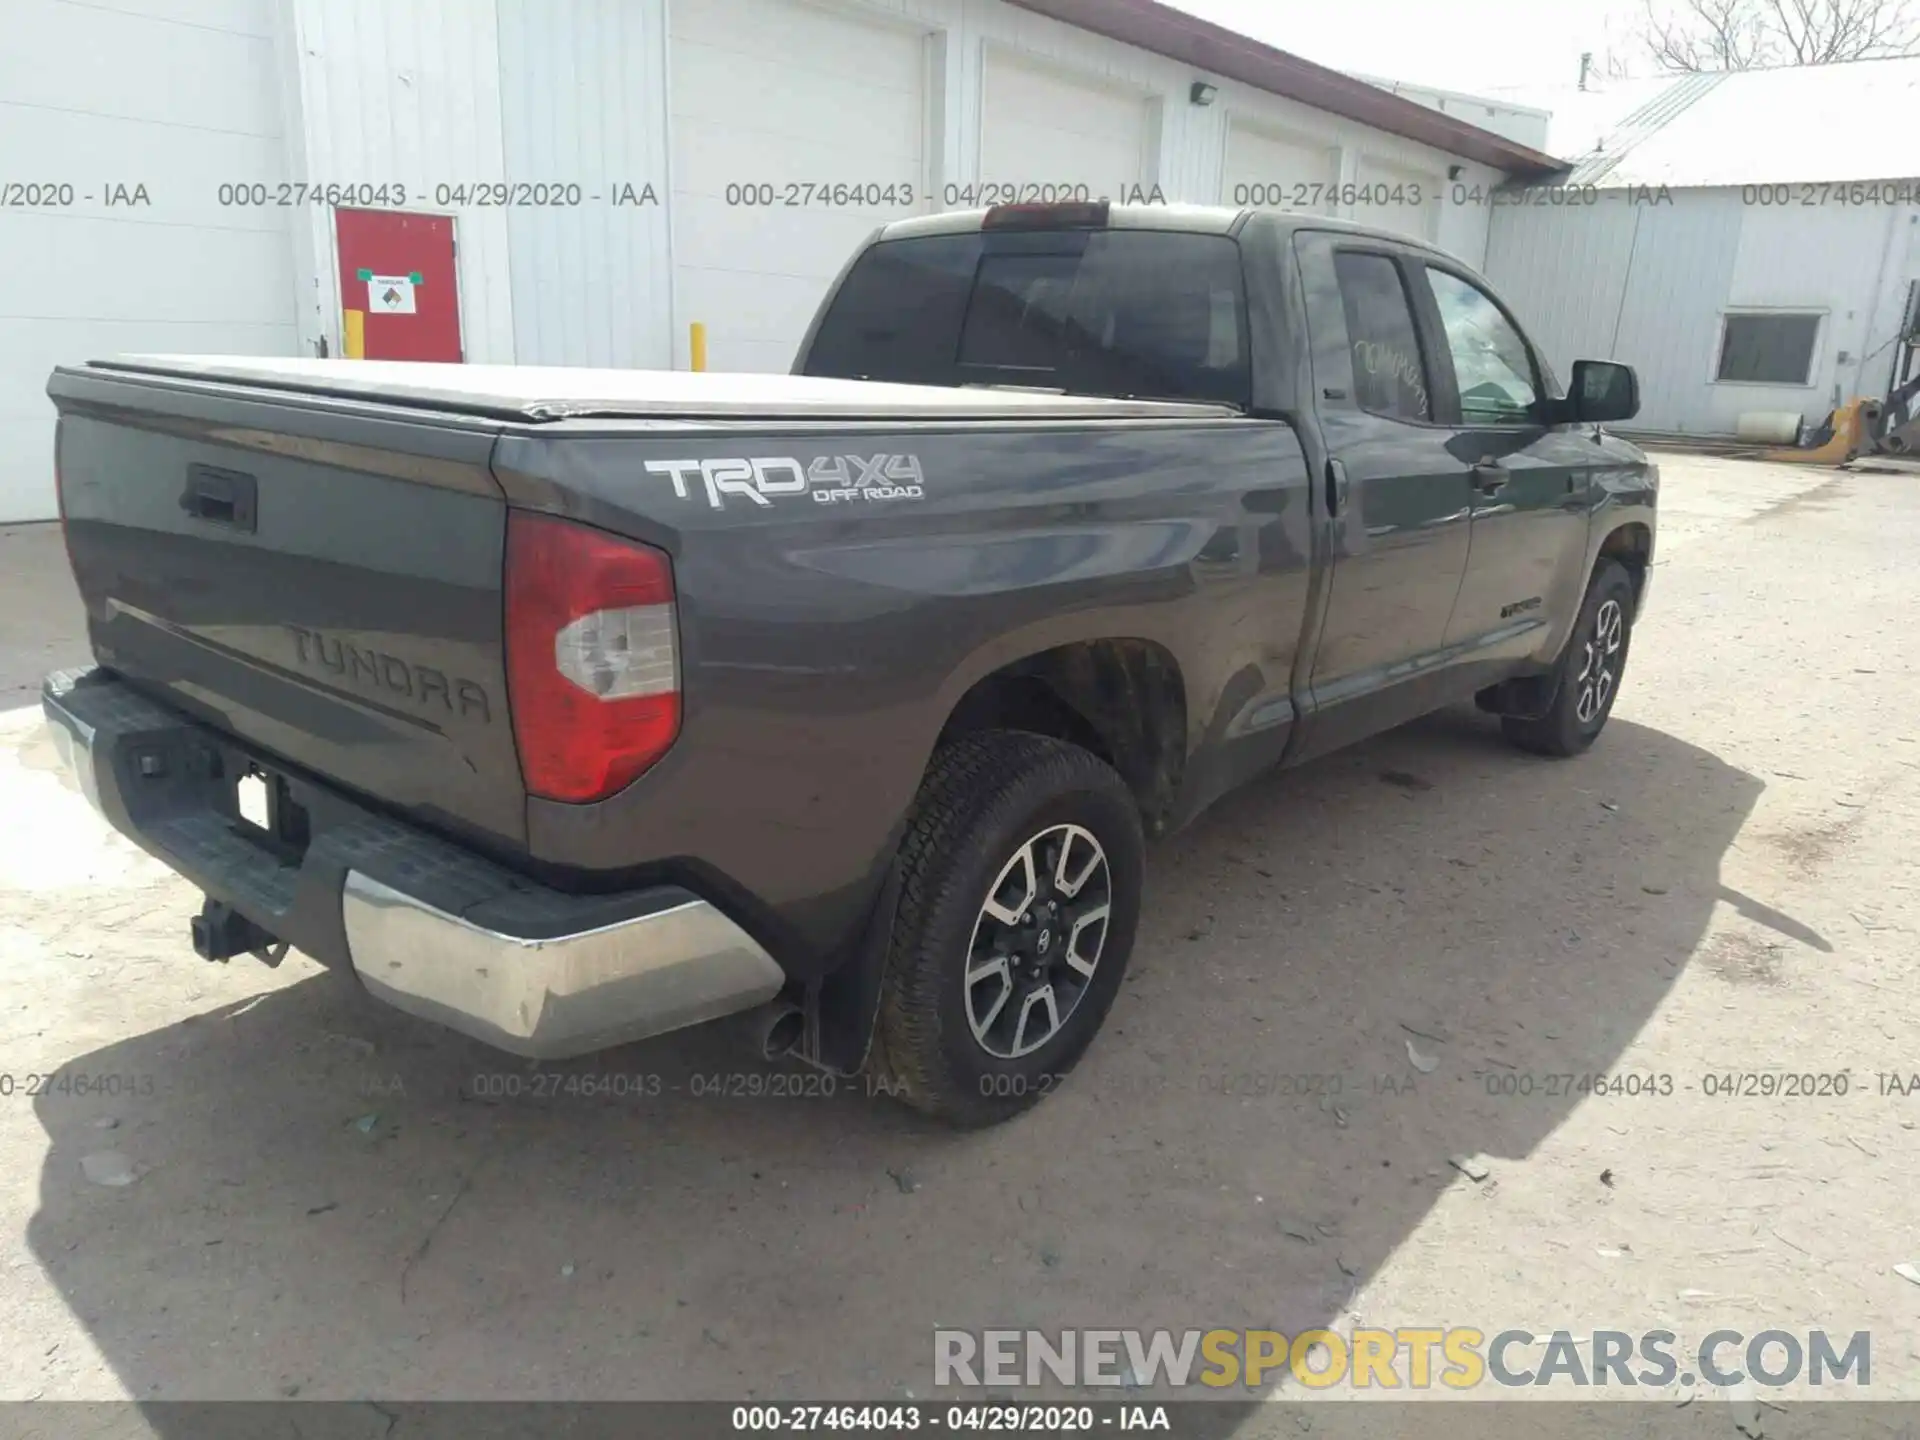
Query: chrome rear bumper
(428, 926)
(554, 997)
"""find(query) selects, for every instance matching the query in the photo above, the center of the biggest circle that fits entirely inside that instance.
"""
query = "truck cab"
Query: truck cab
(1462, 494)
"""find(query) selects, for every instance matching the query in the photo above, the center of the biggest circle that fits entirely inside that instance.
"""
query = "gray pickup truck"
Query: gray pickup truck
(567, 707)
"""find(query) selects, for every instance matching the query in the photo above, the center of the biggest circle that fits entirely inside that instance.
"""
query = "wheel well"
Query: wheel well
(1124, 700)
(1632, 546)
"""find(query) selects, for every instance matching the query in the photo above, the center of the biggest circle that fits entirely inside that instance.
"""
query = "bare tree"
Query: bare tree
(1707, 35)
(1614, 66)
(1692, 35)
(1621, 50)
(1819, 32)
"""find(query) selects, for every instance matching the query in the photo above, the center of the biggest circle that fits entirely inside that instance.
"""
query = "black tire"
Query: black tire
(1564, 730)
(987, 798)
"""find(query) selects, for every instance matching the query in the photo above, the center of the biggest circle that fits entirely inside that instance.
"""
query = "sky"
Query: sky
(1479, 46)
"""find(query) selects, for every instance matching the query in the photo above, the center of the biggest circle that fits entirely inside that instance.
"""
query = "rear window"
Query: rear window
(1147, 313)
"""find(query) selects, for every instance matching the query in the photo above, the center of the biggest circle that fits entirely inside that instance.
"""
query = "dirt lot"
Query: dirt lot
(1725, 884)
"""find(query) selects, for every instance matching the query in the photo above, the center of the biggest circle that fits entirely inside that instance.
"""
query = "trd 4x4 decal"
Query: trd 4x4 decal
(829, 479)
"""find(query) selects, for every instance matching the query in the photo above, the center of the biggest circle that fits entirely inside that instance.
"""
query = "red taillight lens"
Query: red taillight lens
(593, 672)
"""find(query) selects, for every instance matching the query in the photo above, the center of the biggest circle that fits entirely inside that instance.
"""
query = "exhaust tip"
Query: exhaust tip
(783, 1034)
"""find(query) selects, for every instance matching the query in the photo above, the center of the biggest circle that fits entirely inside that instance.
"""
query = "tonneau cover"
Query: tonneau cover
(552, 392)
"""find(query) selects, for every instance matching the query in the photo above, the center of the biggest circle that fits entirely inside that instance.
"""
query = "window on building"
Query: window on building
(1768, 349)
(1491, 363)
(1389, 373)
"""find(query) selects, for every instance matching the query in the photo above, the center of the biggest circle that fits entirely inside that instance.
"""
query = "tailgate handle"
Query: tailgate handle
(220, 497)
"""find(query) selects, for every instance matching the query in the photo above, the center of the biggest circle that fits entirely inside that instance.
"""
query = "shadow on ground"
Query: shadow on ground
(42, 624)
(1248, 1142)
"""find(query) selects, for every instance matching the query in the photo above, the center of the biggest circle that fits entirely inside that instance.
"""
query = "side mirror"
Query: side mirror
(1603, 391)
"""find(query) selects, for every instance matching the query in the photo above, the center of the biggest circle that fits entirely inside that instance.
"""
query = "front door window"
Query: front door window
(1490, 360)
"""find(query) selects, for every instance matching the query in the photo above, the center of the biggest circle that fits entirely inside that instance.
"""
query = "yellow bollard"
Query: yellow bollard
(353, 334)
(697, 344)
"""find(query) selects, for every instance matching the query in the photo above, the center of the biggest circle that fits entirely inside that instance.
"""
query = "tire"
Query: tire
(987, 800)
(1604, 629)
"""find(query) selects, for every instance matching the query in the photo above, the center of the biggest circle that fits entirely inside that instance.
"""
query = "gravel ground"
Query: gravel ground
(1432, 921)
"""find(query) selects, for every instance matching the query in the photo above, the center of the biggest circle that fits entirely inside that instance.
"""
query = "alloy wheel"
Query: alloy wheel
(1037, 941)
(1600, 670)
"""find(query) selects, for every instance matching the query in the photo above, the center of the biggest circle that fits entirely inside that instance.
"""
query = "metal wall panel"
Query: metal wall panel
(772, 196)
(1677, 281)
(1564, 272)
(1043, 125)
(579, 104)
(1821, 258)
(1400, 198)
(407, 92)
(145, 110)
(1648, 283)
(1271, 170)
(1454, 213)
(984, 28)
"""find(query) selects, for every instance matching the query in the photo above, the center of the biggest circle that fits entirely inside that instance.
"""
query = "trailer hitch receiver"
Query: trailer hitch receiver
(220, 932)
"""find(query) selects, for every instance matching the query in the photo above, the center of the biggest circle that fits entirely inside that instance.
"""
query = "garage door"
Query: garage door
(1272, 171)
(1396, 197)
(797, 129)
(121, 129)
(1043, 127)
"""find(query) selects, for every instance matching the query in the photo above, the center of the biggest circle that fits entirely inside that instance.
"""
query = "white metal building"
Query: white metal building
(166, 141)
(1527, 124)
(1751, 245)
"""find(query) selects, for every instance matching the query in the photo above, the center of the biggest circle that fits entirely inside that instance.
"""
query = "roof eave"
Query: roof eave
(1217, 50)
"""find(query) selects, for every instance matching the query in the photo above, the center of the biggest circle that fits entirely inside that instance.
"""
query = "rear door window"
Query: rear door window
(1146, 313)
(1389, 372)
(896, 317)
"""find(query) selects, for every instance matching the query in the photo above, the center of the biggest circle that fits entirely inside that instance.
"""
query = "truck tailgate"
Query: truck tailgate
(318, 578)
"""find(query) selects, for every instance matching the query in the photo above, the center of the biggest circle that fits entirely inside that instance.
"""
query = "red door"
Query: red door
(397, 271)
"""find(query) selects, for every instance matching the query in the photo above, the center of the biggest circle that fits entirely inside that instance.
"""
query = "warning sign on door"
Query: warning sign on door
(390, 294)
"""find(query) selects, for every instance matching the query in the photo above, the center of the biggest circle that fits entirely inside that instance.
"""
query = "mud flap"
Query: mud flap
(843, 1007)
(1528, 697)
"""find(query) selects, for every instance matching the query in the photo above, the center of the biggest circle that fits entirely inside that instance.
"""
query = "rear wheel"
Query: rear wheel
(1589, 672)
(1020, 886)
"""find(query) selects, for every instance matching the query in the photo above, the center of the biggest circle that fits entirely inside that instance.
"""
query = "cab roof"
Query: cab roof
(1185, 218)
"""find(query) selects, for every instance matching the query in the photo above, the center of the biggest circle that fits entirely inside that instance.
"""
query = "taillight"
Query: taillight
(593, 675)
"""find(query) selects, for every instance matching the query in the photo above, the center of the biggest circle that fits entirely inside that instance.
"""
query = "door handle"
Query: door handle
(1490, 477)
(1336, 488)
